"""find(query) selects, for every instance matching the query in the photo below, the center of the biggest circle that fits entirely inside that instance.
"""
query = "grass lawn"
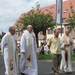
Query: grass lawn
(73, 57)
(45, 57)
(0, 53)
(49, 57)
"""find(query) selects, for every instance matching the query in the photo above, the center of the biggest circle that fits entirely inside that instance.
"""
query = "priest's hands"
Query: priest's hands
(23, 52)
(29, 58)
(68, 44)
(71, 43)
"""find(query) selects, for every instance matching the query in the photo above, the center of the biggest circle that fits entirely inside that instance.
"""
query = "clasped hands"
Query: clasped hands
(68, 44)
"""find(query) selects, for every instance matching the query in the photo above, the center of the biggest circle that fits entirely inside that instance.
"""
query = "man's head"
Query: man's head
(12, 30)
(56, 32)
(29, 28)
(67, 32)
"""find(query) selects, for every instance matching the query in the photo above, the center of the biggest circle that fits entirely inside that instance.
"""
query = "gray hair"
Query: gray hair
(11, 28)
(29, 26)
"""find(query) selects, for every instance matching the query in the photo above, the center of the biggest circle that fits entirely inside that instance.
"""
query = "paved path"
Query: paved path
(44, 68)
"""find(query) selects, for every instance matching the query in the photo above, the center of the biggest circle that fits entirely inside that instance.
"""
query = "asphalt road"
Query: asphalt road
(44, 68)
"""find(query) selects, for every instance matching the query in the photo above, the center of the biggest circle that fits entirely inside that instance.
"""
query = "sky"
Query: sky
(10, 10)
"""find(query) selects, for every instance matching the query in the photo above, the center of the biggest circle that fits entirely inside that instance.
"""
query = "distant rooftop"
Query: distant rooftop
(52, 8)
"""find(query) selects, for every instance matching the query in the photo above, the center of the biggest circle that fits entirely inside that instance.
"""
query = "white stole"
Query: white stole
(66, 47)
(29, 49)
(11, 69)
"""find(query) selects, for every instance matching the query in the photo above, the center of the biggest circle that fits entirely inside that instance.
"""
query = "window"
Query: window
(51, 7)
(63, 20)
(61, 30)
(44, 32)
(66, 11)
(50, 31)
(46, 9)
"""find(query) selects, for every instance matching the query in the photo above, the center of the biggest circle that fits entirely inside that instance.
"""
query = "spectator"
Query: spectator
(46, 48)
(42, 48)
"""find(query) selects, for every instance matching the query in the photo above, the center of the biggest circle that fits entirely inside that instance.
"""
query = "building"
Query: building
(48, 33)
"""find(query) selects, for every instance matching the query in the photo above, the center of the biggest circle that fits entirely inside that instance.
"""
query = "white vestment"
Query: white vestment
(4, 48)
(63, 65)
(33, 69)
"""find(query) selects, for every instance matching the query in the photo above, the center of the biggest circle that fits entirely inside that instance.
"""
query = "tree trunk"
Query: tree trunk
(37, 40)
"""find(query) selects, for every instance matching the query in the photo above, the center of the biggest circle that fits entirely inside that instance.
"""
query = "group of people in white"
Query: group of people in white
(60, 48)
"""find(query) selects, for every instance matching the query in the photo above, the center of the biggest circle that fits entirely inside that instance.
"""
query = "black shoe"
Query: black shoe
(53, 69)
(22, 74)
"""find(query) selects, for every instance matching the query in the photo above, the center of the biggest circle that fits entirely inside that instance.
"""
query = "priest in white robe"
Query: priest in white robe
(66, 47)
(28, 59)
(9, 49)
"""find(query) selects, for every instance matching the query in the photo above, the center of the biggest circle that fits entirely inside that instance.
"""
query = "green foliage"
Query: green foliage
(0, 53)
(45, 57)
(49, 57)
(71, 18)
(73, 56)
(38, 19)
(19, 27)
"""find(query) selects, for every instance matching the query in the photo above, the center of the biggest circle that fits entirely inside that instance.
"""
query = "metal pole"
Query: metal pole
(61, 29)
(59, 13)
(61, 17)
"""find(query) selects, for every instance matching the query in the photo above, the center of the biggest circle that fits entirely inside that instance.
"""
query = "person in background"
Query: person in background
(42, 48)
(46, 49)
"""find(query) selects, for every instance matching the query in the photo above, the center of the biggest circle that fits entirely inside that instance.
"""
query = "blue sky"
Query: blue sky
(10, 10)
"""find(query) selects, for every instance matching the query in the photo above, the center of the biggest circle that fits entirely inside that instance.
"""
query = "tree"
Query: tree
(38, 19)
(71, 18)
(19, 28)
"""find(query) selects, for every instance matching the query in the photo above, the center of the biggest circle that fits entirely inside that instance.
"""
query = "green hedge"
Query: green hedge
(45, 57)
(73, 56)
(49, 57)
(0, 53)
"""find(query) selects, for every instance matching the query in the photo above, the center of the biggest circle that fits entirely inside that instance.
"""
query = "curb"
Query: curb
(50, 61)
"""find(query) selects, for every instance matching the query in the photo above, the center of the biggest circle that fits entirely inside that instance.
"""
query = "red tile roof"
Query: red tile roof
(52, 8)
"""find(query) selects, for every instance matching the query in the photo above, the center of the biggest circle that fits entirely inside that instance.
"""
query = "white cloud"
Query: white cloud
(10, 10)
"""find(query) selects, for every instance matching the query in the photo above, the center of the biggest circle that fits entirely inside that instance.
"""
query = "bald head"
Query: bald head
(29, 28)
(67, 32)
